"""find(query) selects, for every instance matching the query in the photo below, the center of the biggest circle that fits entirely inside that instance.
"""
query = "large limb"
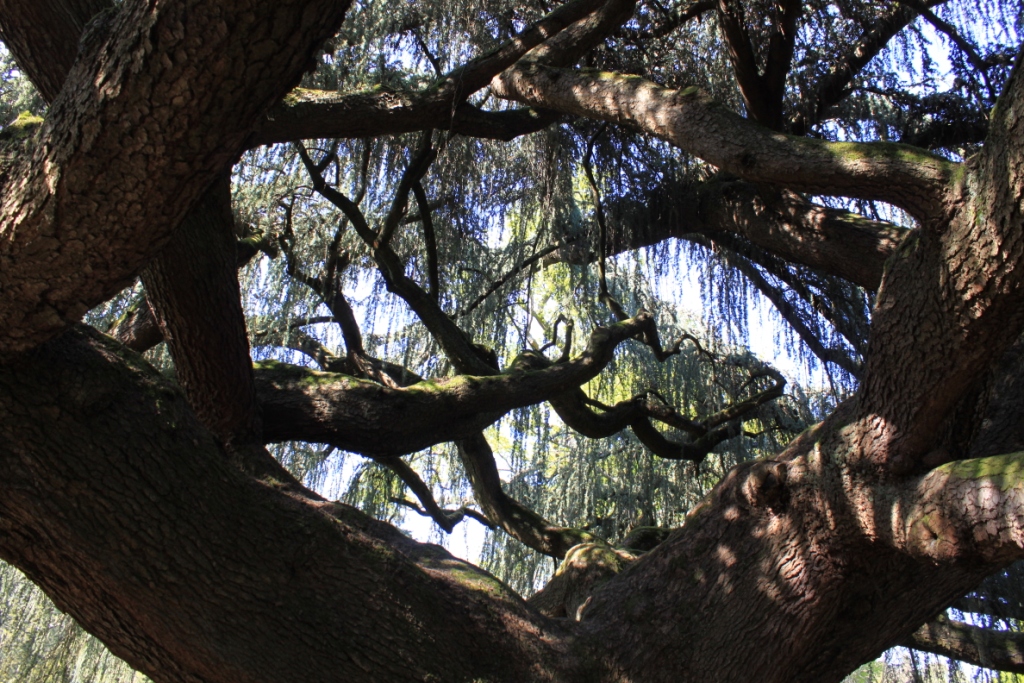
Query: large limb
(132, 139)
(837, 242)
(991, 648)
(910, 178)
(516, 519)
(193, 291)
(307, 114)
(190, 570)
(929, 344)
(366, 417)
(191, 285)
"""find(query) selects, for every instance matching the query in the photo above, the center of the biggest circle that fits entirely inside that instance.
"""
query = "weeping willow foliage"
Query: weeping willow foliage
(497, 207)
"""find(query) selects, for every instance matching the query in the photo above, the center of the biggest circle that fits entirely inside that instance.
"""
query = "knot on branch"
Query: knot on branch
(585, 567)
(765, 486)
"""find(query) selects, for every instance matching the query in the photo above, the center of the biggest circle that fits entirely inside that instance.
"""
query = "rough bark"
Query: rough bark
(44, 37)
(193, 571)
(117, 501)
(905, 176)
(132, 139)
(833, 241)
(193, 290)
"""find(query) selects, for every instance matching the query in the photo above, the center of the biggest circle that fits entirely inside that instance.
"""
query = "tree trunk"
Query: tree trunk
(130, 514)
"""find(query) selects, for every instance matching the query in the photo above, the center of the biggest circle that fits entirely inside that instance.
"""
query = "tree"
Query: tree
(154, 514)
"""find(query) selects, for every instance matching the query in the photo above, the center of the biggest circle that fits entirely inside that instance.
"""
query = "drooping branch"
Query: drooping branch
(429, 241)
(912, 179)
(512, 272)
(457, 344)
(446, 519)
(793, 319)
(1001, 650)
(989, 606)
(676, 18)
(834, 241)
(577, 410)
(517, 520)
(950, 32)
(327, 286)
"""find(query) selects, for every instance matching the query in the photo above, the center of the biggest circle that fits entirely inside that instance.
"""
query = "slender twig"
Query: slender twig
(417, 168)
(429, 241)
(604, 295)
(526, 263)
(434, 61)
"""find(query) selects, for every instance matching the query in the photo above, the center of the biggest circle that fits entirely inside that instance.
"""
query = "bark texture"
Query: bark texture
(130, 510)
(159, 103)
(181, 563)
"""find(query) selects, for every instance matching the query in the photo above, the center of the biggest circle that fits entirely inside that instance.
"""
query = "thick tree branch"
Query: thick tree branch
(907, 177)
(366, 417)
(963, 509)
(836, 242)
(135, 180)
(781, 46)
(193, 291)
(307, 114)
(137, 328)
(753, 89)
(517, 520)
(321, 580)
(310, 114)
(192, 294)
(566, 48)
(975, 645)
(951, 302)
(43, 37)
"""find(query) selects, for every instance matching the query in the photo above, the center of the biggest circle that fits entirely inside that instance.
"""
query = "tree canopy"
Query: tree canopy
(277, 276)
